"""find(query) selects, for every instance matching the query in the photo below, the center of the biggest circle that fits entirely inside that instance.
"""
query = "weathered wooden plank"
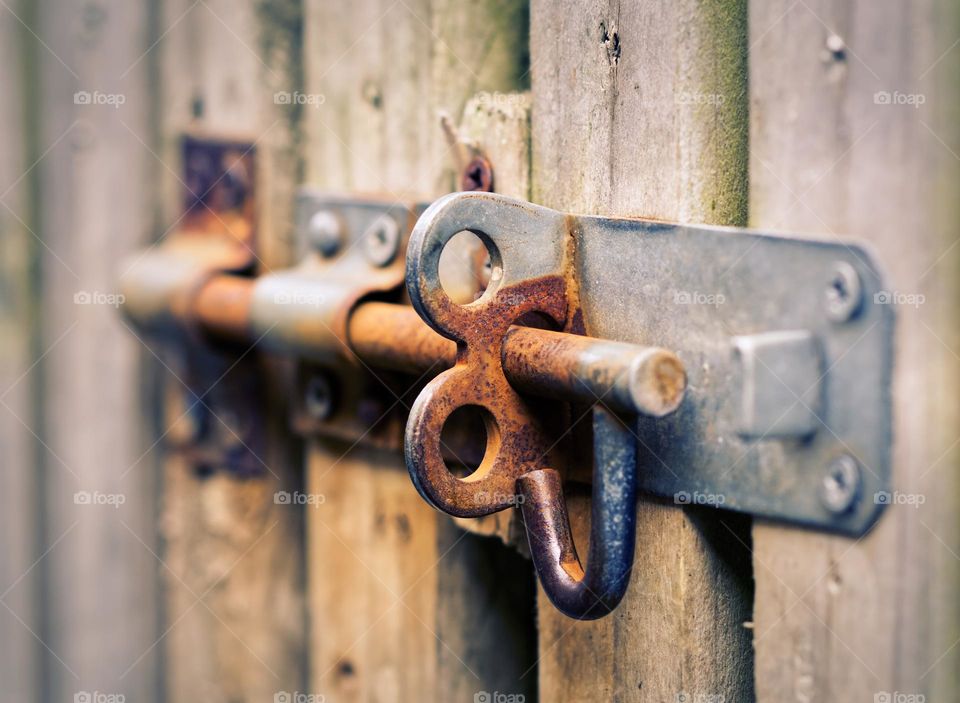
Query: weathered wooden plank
(372, 580)
(400, 609)
(233, 566)
(20, 667)
(641, 110)
(841, 619)
(92, 189)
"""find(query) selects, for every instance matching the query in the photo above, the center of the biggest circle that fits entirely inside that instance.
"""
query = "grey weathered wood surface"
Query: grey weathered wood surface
(20, 667)
(91, 185)
(235, 622)
(840, 619)
(639, 110)
(402, 604)
(642, 111)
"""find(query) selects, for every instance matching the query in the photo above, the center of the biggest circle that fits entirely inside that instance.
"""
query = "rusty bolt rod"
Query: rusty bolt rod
(222, 308)
(626, 377)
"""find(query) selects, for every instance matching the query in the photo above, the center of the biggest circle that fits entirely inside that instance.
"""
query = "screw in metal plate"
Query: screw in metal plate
(318, 397)
(381, 242)
(840, 487)
(324, 232)
(844, 294)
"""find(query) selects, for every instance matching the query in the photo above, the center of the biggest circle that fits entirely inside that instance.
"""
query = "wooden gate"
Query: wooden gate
(127, 572)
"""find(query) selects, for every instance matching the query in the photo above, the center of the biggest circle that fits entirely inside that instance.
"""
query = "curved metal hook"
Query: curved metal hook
(591, 593)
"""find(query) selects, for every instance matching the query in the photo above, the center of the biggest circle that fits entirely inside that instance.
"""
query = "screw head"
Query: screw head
(318, 397)
(324, 232)
(840, 487)
(381, 241)
(477, 176)
(844, 294)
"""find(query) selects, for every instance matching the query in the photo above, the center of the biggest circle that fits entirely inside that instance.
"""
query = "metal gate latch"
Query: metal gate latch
(722, 367)
(778, 373)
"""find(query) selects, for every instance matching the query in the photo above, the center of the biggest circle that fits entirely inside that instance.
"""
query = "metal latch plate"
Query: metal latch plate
(788, 348)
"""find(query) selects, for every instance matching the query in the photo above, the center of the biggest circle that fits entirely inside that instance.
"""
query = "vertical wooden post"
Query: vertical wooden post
(91, 209)
(854, 133)
(403, 605)
(233, 562)
(641, 110)
(19, 521)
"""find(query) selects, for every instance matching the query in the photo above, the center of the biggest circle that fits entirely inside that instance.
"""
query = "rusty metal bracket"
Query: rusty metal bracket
(216, 423)
(786, 344)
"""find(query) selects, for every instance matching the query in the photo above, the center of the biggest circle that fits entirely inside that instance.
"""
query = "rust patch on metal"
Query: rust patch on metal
(219, 194)
(668, 381)
(516, 440)
(222, 308)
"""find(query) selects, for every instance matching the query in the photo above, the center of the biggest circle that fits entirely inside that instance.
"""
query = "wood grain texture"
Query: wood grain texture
(841, 619)
(640, 110)
(372, 580)
(235, 615)
(387, 70)
(402, 604)
(91, 208)
(19, 583)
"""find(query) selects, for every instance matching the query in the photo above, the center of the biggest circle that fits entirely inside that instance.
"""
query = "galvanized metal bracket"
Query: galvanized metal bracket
(787, 345)
(788, 351)
(349, 249)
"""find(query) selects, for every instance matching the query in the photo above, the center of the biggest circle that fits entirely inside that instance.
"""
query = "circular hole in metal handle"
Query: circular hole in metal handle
(525, 242)
(511, 446)
(441, 222)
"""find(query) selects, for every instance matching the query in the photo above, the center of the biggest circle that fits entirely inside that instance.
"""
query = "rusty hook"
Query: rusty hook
(591, 593)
